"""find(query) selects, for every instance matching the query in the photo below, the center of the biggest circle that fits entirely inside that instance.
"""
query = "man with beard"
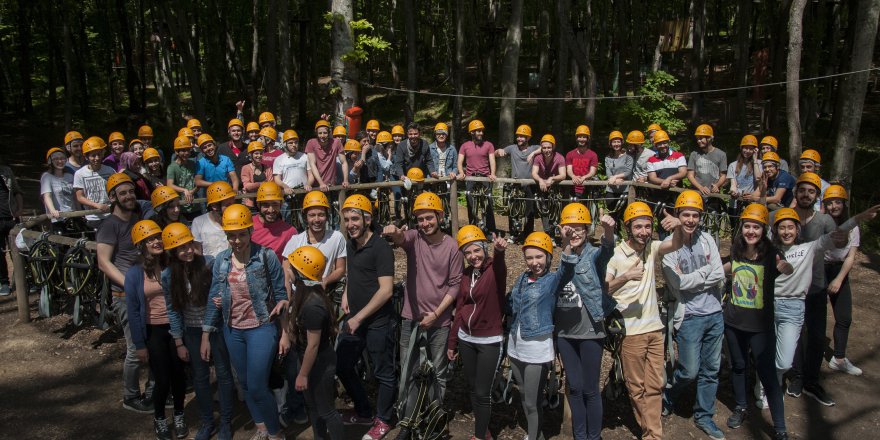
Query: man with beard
(116, 254)
(413, 152)
(73, 142)
(323, 152)
(270, 230)
(693, 273)
(630, 280)
(433, 274)
(811, 162)
(777, 183)
(581, 163)
(668, 167)
(206, 228)
(635, 147)
(707, 166)
(214, 167)
(811, 347)
(521, 154)
(479, 154)
(369, 318)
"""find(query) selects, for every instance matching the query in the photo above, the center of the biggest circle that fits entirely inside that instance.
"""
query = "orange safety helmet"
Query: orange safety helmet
(524, 130)
(373, 124)
(635, 137)
(654, 127)
(266, 117)
(309, 261)
(321, 123)
(428, 201)
(756, 212)
(398, 129)
(770, 156)
(144, 229)
(234, 122)
(54, 150)
(811, 178)
(252, 126)
(548, 138)
(384, 137)
(339, 130)
(218, 192)
(72, 136)
(469, 234)
(615, 135)
(117, 179)
(315, 198)
(193, 123)
(635, 210)
(176, 234)
(358, 201)
(151, 153)
(475, 125)
(182, 143)
(748, 141)
(352, 146)
(689, 199)
(582, 130)
(288, 135)
(269, 132)
(162, 195)
(255, 146)
(539, 240)
(237, 217)
(203, 139)
(269, 191)
(441, 126)
(115, 137)
(145, 131)
(771, 141)
(704, 130)
(835, 192)
(575, 213)
(785, 214)
(415, 174)
(812, 155)
(185, 131)
(660, 136)
(93, 143)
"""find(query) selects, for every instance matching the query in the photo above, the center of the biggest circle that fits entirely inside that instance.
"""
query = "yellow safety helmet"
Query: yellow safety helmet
(145, 131)
(255, 146)
(428, 201)
(176, 234)
(358, 201)
(524, 130)
(71, 136)
(441, 126)
(266, 117)
(193, 123)
(372, 124)
(635, 137)
(309, 261)
(469, 234)
(234, 122)
(615, 135)
(811, 155)
(575, 213)
(415, 174)
(321, 123)
(835, 192)
(315, 198)
(252, 126)
(748, 141)
(269, 132)
(771, 141)
(786, 214)
(182, 143)
(689, 199)
(218, 192)
(548, 138)
(288, 135)
(654, 127)
(134, 141)
(144, 229)
(117, 179)
(582, 130)
(398, 129)
(635, 210)
(474, 125)
(162, 195)
(185, 131)
(269, 191)
(539, 240)
(151, 153)
(756, 212)
(237, 217)
(704, 130)
(54, 150)
(661, 136)
(352, 146)
(811, 178)
(203, 139)
(770, 156)
(115, 137)
(339, 130)
(384, 137)
(93, 143)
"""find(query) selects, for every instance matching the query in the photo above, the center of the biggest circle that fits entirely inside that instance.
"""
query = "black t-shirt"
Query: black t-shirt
(5, 195)
(749, 304)
(117, 233)
(314, 316)
(364, 267)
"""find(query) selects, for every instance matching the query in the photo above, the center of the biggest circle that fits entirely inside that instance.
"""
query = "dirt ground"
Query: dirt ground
(62, 382)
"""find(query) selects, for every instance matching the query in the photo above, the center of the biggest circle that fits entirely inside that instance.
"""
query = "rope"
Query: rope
(616, 98)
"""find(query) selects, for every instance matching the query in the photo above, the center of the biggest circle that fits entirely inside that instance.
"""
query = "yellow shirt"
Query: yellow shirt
(637, 299)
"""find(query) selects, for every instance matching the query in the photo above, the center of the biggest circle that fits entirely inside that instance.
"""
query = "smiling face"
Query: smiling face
(323, 134)
(640, 230)
(547, 149)
(806, 195)
(117, 147)
(253, 135)
(536, 260)
(690, 220)
(413, 135)
(835, 207)
(771, 169)
(75, 149)
(356, 222)
(209, 149)
(703, 142)
(807, 166)
(578, 234)
(787, 231)
(316, 219)
(257, 156)
(428, 221)
(125, 197)
(138, 149)
(185, 252)
(748, 152)
(270, 210)
(752, 231)
(172, 210)
(95, 158)
(441, 136)
(154, 164)
(235, 133)
(58, 160)
(582, 140)
(522, 141)
(662, 147)
(616, 144)
(153, 245)
(477, 135)
(474, 254)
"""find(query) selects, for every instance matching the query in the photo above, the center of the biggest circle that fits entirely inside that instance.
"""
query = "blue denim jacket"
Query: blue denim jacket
(264, 277)
(589, 279)
(532, 304)
(451, 159)
(175, 317)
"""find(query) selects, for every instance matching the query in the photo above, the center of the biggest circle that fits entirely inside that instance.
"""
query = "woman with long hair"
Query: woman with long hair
(186, 282)
(166, 203)
(56, 187)
(150, 327)
(744, 173)
(130, 164)
(311, 329)
(154, 172)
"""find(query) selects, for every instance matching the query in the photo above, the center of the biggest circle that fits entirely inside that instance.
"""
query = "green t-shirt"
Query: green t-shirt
(184, 176)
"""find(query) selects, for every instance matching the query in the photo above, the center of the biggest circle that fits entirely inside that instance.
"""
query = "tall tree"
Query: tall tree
(741, 58)
(342, 69)
(458, 78)
(509, 73)
(851, 99)
(270, 63)
(543, 64)
(792, 78)
(177, 23)
(562, 66)
(284, 61)
(131, 80)
(698, 58)
(25, 68)
(412, 46)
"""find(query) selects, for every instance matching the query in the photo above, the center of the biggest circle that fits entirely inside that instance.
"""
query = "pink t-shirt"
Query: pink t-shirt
(157, 313)
(241, 314)
(581, 163)
(545, 170)
(432, 272)
(273, 236)
(269, 158)
(325, 158)
(476, 157)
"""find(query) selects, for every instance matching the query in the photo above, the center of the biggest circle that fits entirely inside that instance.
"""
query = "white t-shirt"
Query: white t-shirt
(332, 246)
(537, 350)
(61, 190)
(292, 169)
(836, 255)
(94, 186)
(209, 234)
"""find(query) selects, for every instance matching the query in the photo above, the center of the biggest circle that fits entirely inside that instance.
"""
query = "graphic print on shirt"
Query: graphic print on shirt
(706, 167)
(94, 187)
(568, 298)
(748, 290)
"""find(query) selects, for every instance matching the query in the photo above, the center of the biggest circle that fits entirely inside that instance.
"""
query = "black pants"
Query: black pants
(167, 369)
(841, 304)
(379, 343)
(763, 348)
(811, 345)
(321, 397)
(6, 226)
(480, 362)
(529, 226)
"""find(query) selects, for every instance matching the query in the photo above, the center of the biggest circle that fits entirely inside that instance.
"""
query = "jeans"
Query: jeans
(131, 367)
(642, 357)
(252, 352)
(762, 346)
(192, 338)
(582, 359)
(489, 215)
(320, 397)
(379, 343)
(479, 364)
(699, 357)
(167, 367)
(841, 304)
(531, 378)
(789, 319)
(436, 352)
(811, 347)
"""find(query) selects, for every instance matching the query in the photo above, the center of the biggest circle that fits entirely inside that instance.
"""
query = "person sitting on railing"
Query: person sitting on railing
(707, 166)
(635, 148)
(479, 156)
(443, 153)
(745, 173)
(777, 186)
(581, 162)
(323, 152)
(548, 169)
(521, 155)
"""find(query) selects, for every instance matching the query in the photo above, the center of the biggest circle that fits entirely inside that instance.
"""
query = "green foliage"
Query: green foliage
(656, 105)
(364, 43)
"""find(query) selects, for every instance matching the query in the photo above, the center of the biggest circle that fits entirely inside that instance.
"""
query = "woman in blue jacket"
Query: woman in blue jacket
(249, 283)
(150, 329)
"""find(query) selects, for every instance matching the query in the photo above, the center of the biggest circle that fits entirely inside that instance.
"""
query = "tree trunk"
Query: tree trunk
(131, 80)
(284, 62)
(777, 54)
(305, 57)
(69, 84)
(618, 83)
(177, 24)
(256, 78)
(543, 64)
(391, 37)
(697, 59)
(509, 75)
(741, 56)
(792, 78)
(851, 99)
(25, 68)
(412, 46)
(142, 44)
(270, 63)
(343, 72)
(459, 72)
(637, 29)
(831, 63)
(562, 9)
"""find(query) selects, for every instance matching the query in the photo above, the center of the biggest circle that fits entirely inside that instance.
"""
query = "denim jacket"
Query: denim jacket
(532, 304)
(589, 277)
(175, 317)
(264, 278)
(451, 159)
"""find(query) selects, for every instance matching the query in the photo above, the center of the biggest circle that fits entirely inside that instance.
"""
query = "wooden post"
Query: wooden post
(21, 287)
(342, 197)
(453, 206)
(631, 194)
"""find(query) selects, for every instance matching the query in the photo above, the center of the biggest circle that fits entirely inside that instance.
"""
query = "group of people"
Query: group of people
(234, 285)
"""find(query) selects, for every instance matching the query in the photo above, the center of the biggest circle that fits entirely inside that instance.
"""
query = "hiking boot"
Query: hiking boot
(780, 435)
(5, 290)
(378, 430)
(180, 428)
(403, 434)
(139, 405)
(351, 417)
(844, 365)
(817, 392)
(206, 431)
(711, 429)
(795, 387)
(736, 418)
(225, 432)
(161, 428)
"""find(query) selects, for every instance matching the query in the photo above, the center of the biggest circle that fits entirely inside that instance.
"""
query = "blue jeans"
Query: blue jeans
(699, 357)
(789, 319)
(252, 352)
(192, 338)
(379, 343)
(582, 359)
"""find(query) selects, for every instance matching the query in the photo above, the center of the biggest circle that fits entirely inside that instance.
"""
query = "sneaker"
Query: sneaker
(260, 435)
(180, 428)
(225, 432)
(351, 417)
(710, 429)
(161, 428)
(817, 392)
(795, 387)
(138, 405)
(403, 434)
(761, 399)
(169, 403)
(5, 290)
(206, 431)
(378, 430)
(780, 435)
(667, 409)
(297, 418)
(736, 418)
(844, 365)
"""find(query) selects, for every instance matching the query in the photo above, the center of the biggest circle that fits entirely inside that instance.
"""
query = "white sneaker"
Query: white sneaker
(845, 366)
(5, 290)
(760, 397)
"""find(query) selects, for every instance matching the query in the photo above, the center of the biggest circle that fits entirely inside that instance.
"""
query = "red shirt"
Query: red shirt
(479, 307)
(476, 157)
(273, 236)
(581, 163)
(325, 158)
(269, 157)
(545, 170)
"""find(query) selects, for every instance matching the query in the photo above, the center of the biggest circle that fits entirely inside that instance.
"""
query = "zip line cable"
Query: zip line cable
(602, 98)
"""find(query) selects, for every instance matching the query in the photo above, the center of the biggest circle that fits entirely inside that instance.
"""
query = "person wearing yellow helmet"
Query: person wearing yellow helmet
(479, 155)
(153, 168)
(89, 182)
(117, 147)
(331, 243)
(270, 229)
(668, 167)
(755, 265)
(372, 129)
(73, 143)
(548, 169)
(630, 281)
(444, 155)
(253, 132)
(745, 173)
(618, 165)
(397, 133)
(255, 172)
(56, 187)
(132, 166)
(248, 281)
(234, 146)
(581, 163)
(323, 152)
(810, 162)
(137, 147)
(207, 228)
(432, 284)
(412, 152)
(770, 143)
(777, 185)
(635, 147)
(521, 154)
(707, 165)
(180, 176)
(369, 319)
(214, 167)
(291, 170)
